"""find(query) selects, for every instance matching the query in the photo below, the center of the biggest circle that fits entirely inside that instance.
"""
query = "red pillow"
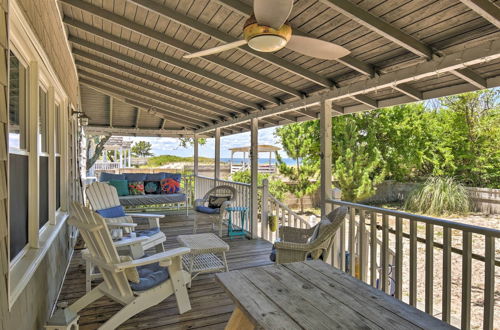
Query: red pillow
(169, 186)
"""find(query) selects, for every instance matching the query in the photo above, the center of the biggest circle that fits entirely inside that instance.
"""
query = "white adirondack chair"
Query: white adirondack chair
(103, 254)
(103, 196)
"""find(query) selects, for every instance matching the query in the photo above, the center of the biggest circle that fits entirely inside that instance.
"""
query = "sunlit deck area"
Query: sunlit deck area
(211, 306)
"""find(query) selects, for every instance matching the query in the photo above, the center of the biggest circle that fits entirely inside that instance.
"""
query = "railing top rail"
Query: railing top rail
(435, 221)
(225, 181)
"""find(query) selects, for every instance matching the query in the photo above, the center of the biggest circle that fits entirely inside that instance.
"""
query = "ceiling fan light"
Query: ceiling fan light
(267, 43)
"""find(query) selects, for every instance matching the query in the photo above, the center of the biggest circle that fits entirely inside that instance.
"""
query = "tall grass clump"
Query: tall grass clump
(439, 196)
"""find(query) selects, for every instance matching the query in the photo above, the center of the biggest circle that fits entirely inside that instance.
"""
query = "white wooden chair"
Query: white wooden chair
(216, 218)
(103, 254)
(104, 196)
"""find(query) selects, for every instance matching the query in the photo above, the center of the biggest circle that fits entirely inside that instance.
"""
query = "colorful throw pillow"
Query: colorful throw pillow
(152, 187)
(121, 186)
(112, 212)
(136, 187)
(169, 186)
(176, 176)
(215, 202)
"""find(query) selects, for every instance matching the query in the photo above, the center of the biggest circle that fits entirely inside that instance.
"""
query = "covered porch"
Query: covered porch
(125, 66)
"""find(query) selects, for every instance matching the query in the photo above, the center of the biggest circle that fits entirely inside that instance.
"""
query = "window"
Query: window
(18, 157)
(58, 128)
(17, 104)
(42, 115)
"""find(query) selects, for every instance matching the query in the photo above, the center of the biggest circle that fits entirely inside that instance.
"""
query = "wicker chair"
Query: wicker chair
(218, 217)
(293, 245)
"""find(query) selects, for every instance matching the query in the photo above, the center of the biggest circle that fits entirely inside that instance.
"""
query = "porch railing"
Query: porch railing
(204, 184)
(383, 247)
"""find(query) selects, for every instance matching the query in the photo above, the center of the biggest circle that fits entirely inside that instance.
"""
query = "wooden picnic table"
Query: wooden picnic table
(314, 295)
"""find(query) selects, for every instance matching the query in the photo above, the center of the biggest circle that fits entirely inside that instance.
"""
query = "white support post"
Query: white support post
(121, 157)
(129, 157)
(33, 159)
(254, 171)
(195, 156)
(217, 155)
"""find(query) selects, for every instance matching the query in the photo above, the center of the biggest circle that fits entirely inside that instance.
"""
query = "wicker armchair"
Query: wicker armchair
(218, 217)
(293, 245)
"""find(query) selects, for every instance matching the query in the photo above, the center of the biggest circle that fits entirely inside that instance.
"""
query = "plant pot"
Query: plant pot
(273, 223)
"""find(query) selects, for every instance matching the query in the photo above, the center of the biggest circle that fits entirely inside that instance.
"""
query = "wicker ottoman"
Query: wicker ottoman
(203, 257)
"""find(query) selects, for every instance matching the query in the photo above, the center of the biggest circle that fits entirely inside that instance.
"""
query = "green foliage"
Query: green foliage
(189, 141)
(298, 145)
(439, 196)
(142, 149)
(158, 161)
(276, 187)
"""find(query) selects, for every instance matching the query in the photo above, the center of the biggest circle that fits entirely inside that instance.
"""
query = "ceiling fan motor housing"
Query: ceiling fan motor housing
(264, 38)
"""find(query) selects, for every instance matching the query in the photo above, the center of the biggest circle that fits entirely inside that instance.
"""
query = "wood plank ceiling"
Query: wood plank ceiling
(133, 77)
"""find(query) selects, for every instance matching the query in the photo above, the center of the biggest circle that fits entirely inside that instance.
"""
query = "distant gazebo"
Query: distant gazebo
(244, 165)
(122, 151)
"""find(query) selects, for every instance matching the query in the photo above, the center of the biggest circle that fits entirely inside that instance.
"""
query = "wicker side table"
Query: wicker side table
(203, 256)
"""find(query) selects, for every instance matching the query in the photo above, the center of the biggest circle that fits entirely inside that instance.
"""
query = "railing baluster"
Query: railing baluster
(466, 278)
(413, 262)
(429, 268)
(489, 280)
(342, 247)
(385, 251)
(446, 305)
(362, 246)
(399, 258)
(373, 249)
(352, 241)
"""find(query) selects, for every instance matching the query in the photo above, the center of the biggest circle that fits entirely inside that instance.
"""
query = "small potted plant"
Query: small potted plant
(273, 223)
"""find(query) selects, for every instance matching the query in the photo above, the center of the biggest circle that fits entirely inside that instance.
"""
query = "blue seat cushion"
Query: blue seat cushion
(150, 276)
(148, 232)
(105, 177)
(155, 177)
(207, 210)
(135, 176)
(112, 212)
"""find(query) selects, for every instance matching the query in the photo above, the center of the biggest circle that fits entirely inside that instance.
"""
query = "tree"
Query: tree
(188, 141)
(297, 143)
(99, 142)
(142, 149)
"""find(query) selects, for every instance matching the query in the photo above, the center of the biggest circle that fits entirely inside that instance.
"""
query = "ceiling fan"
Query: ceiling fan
(267, 30)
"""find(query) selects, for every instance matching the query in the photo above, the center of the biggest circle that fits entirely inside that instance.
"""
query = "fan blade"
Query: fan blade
(217, 49)
(316, 48)
(272, 13)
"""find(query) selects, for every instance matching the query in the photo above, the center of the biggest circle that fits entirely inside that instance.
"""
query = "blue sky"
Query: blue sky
(170, 146)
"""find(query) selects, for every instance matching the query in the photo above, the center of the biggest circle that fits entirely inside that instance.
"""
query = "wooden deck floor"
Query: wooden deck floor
(211, 307)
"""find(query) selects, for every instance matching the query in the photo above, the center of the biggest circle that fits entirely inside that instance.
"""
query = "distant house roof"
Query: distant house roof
(262, 148)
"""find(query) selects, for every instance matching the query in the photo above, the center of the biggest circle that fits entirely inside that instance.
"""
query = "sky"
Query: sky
(170, 146)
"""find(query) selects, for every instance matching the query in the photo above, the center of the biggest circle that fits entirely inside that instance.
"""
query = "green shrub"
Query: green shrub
(439, 196)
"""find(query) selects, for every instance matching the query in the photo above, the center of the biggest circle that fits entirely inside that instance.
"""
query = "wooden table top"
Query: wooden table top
(314, 295)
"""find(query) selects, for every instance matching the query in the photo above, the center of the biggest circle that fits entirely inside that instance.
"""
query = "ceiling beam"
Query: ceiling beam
(221, 113)
(486, 9)
(349, 61)
(168, 113)
(481, 53)
(471, 77)
(170, 60)
(176, 43)
(166, 84)
(94, 129)
(206, 29)
(379, 26)
(165, 73)
(410, 91)
(168, 102)
(373, 104)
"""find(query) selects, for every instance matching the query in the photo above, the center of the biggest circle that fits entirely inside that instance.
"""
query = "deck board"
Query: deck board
(211, 306)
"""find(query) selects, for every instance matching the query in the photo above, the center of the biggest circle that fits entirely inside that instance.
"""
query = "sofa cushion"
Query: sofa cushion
(121, 186)
(148, 232)
(105, 176)
(155, 177)
(112, 212)
(150, 276)
(207, 210)
(136, 187)
(135, 176)
(137, 200)
(169, 186)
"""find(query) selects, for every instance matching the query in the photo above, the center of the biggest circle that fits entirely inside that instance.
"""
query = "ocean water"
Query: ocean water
(262, 160)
